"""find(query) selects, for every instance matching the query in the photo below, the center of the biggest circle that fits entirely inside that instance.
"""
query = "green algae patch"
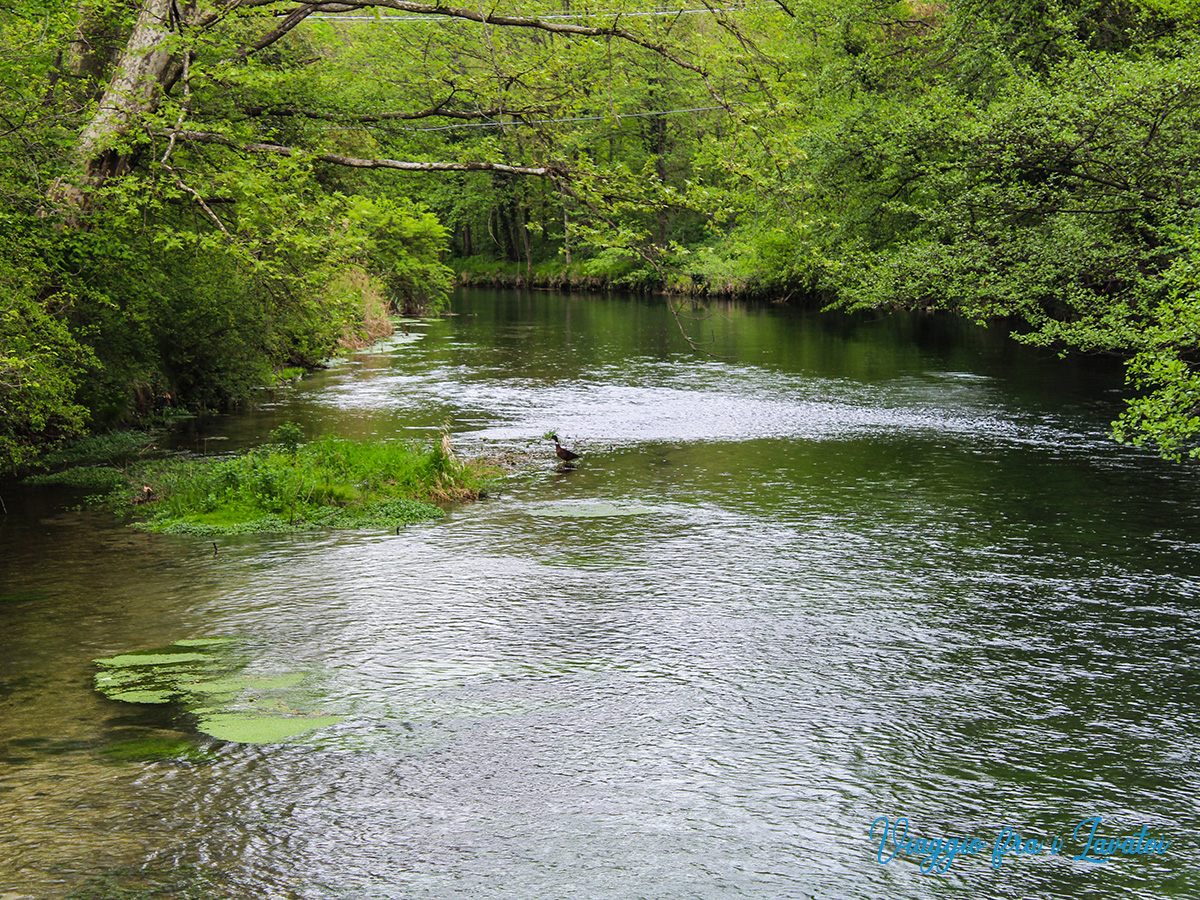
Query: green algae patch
(152, 676)
(15, 597)
(234, 685)
(212, 689)
(259, 728)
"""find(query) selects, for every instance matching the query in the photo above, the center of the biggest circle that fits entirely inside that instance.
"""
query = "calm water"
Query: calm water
(847, 569)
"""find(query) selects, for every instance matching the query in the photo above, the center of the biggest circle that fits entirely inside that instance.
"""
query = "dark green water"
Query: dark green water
(848, 569)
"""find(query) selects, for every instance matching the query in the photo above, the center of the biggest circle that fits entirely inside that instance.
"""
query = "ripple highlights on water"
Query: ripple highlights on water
(698, 401)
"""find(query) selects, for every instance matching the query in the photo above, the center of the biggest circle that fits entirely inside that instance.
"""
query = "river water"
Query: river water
(842, 569)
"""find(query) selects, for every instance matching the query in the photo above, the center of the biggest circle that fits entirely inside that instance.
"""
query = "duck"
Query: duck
(562, 452)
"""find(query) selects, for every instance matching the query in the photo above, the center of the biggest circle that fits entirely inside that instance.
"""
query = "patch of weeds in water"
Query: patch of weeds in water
(96, 478)
(388, 514)
(594, 509)
(204, 526)
(287, 486)
(137, 883)
(97, 448)
(287, 376)
(226, 703)
(154, 748)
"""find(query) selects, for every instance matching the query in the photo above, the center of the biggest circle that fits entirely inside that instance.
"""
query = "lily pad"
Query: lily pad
(210, 686)
(255, 728)
(153, 659)
(235, 685)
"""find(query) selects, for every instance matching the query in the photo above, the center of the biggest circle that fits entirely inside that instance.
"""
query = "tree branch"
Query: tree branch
(554, 27)
(438, 111)
(357, 163)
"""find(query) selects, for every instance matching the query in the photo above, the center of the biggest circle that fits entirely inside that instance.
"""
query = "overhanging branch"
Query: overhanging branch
(358, 163)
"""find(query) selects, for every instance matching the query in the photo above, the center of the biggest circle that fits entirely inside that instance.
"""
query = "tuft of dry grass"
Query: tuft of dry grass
(374, 323)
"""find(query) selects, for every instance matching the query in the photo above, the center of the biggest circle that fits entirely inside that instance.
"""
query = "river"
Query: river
(834, 570)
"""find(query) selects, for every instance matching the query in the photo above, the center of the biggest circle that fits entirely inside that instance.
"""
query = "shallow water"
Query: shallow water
(846, 568)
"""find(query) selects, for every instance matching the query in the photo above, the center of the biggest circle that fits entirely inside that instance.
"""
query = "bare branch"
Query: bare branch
(290, 21)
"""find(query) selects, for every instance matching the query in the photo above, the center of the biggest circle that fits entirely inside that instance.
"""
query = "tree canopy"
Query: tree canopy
(196, 193)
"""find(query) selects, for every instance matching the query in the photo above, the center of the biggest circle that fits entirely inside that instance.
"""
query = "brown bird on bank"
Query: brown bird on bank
(562, 452)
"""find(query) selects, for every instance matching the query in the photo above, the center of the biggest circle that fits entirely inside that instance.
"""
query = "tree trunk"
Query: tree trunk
(135, 89)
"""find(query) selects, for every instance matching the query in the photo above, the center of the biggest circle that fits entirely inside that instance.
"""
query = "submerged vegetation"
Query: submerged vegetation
(286, 486)
(210, 686)
(196, 198)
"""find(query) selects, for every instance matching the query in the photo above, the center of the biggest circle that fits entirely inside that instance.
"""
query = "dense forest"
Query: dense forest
(197, 193)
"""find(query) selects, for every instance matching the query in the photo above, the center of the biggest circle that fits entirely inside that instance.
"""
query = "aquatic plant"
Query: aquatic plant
(105, 447)
(291, 486)
(209, 684)
(154, 747)
(101, 478)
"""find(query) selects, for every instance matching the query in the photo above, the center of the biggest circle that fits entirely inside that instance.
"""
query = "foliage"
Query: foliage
(239, 193)
(1167, 412)
(288, 486)
(41, 363)
(98, 478)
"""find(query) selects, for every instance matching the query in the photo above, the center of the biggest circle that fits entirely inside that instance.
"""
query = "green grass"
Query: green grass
(98, 448)
(332, 482)
(98, 478)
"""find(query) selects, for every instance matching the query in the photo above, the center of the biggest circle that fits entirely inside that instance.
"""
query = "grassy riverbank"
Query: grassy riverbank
(287, 486)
